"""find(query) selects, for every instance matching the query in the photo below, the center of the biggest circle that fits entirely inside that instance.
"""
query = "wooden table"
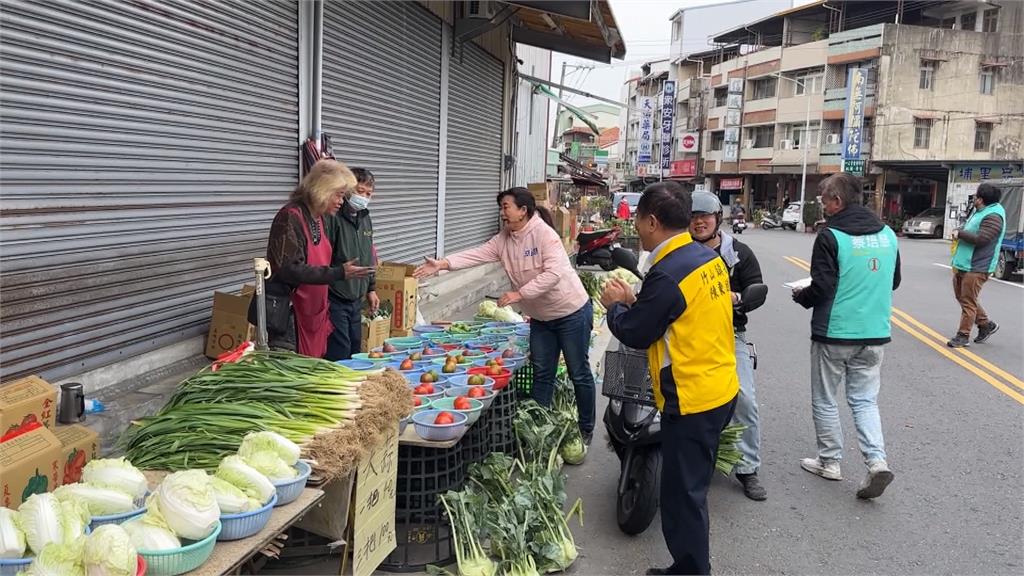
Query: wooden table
(229, 556)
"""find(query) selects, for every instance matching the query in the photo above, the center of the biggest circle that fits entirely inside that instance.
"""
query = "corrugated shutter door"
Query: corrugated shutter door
(146, 148)
(381, 106)
(473, 178)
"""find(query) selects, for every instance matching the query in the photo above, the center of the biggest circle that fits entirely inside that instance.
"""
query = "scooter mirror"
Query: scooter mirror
(754, 293)
(624, 258)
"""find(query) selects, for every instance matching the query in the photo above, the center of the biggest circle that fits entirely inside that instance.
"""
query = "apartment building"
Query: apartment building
(641, 144)
(915, 96)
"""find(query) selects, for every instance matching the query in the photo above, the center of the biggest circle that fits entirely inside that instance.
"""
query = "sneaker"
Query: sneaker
(827, 470)
(587, 438)
(879, 476)
(985, 331)
(752, 487)
(960, 341)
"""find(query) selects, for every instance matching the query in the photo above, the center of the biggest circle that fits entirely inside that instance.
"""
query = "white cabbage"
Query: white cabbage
(118, 474)
(108, 551)
(12, 538)
(234, 470)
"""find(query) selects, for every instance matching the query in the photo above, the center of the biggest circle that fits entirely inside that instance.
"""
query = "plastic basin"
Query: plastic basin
(463, 380)
(98, 521)
(486, 399)
(414, 377)
(425, 427)
(245, 524)
(289, 490)
(501, 325)
(438, 393)
(180, 560)
(507, 331)
(405, 342)
(358, 364)
(422, 331)
(404, 422)
(472, 415)
(441, 361)
(500, 380)
(396, 366)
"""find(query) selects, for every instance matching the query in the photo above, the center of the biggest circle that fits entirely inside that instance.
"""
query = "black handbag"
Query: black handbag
(278, 297)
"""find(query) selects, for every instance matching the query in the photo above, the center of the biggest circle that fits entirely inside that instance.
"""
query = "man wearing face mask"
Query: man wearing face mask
(351, 234)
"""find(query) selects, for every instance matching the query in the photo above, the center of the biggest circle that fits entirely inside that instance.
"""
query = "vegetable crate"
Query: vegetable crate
(476, 444)
(422, 532)
(627, 378)
(503, 411)
(522, 380)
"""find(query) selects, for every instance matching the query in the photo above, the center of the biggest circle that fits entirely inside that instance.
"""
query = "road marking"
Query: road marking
(1014, 284)
(936, 341)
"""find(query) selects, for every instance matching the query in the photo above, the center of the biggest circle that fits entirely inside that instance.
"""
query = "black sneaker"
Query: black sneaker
(752, 487)
(960, 341)
(985, 331)
(587, 437)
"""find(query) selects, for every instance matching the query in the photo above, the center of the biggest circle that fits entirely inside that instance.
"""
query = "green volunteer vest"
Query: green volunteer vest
(863, 301)
(963, 258)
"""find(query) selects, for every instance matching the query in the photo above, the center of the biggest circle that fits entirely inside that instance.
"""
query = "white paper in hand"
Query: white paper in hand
(801, 283)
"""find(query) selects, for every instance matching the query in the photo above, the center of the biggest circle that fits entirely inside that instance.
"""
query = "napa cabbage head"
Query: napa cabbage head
(108, 551)
(231, 499)
(148, 536)
(58, 559)
(267, 441)
(234, 470)
(188, 505)
(12, 537)
(271, 465)
(100, 501)
(42, 520)
(75, 517)
(118, 474)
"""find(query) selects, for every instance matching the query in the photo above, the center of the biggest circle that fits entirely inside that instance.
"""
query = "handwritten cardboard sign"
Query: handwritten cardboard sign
(374, 506)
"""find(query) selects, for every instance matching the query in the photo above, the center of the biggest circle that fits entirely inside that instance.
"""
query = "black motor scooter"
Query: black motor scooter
(634, 430)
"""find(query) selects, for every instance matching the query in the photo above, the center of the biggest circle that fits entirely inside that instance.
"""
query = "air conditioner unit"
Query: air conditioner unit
(480, 9)
(748, 144)
(786, 144)
(833, 139)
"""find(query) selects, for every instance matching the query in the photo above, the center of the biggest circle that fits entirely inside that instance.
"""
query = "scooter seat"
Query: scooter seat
(587, 237)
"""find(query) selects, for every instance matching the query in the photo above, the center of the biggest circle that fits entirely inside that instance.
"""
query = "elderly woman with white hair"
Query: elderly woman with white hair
(300, 253)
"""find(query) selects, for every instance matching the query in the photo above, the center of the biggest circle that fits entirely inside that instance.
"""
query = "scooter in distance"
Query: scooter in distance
(771, 220)
(633, 424)
(595, 248)
(739, 224)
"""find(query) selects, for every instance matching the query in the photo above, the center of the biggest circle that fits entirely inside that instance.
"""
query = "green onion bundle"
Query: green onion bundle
(728, 455)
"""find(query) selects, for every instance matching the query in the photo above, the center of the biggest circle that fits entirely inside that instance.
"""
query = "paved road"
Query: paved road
(953, 429)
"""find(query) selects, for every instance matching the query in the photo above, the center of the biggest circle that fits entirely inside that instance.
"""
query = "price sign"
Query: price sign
(374, 523)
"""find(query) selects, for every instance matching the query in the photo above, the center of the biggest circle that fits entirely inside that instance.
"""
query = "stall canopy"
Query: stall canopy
(581, 28)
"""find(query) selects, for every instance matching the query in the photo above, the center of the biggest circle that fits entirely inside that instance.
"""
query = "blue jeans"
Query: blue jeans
(569, 336)
(859, 368)
(746, 410)
(346, 315)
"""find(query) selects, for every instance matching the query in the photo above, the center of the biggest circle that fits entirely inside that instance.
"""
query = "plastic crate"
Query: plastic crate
(627, 378)
(476, 444)
(422, 532)
(522, 380)
(502, 413)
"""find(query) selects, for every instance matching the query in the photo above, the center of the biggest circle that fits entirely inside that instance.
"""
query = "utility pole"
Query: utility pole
(558, 109)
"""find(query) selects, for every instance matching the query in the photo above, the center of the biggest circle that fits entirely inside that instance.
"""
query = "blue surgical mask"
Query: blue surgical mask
(359, 203)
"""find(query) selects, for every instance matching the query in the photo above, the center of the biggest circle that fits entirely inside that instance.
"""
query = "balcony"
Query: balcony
(795, 156)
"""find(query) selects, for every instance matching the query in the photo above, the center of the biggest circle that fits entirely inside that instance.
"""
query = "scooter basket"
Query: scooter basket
(627, 378)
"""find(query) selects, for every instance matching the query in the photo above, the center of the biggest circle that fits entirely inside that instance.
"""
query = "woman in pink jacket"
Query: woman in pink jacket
(547, 289)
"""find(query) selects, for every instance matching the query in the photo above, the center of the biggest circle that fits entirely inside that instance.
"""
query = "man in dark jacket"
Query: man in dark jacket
(744, 271)
(975, 258)
(855, 266)
(351, 235)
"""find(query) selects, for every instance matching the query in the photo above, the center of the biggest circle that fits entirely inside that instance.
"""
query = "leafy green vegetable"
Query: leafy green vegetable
(116, 474)
(100, 501)
(42, 520)
(58, 559)
(187, 503)
(230, 499)
(271, 465)
(108, 551)
(12, 538)
(150, 537)
(268, 441)
(234, 470)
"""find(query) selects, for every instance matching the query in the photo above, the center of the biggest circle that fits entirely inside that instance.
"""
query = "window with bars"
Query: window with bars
(982, 136)
(969, 21)
(763, 88)
(987, 81)
(718, 140)
(797, 134)
(721, 96)
(990, 20)
(762, 136)
(922, 132)
(927, 79)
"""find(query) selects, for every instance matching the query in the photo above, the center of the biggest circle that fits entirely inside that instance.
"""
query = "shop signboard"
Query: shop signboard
(734, 101)
(976, 173)
(736, 86)
(730, 152)
(732, 118)
(645, 142)
(373, 535)
(856, 86)
(689, 142)
(684, 168)
(732, 134)
(730, 184)
(668, 111)
(855, 167)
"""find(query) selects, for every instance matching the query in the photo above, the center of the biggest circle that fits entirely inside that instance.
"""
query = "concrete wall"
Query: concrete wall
(955, 103)
(531, 127)
(794, 109)
(807, 55)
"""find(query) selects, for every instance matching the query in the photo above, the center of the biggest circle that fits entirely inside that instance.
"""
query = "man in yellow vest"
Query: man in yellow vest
(683, 317)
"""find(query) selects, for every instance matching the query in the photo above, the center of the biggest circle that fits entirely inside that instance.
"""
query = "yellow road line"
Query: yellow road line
(898, 319)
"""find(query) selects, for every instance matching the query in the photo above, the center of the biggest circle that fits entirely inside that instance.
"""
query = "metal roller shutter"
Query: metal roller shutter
(381, 106)
(146, 148)
(474, 154)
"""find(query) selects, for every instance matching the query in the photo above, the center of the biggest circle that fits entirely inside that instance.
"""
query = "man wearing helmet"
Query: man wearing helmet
(744, 271)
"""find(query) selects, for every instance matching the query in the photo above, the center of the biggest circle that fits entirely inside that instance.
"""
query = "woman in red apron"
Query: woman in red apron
(300, 252)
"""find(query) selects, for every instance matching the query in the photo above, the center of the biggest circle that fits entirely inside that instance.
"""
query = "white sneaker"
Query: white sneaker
(827, 470)
(878, 478)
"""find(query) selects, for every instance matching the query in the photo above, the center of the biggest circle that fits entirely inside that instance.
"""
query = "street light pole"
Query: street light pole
(558, 109)
(801, 225)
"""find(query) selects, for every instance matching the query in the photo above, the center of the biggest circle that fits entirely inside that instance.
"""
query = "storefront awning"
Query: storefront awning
(576, 27)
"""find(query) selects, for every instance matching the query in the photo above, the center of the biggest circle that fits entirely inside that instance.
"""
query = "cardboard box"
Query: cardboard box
(229, 324)
(79, 445)
(395, 284)
(27, 400)
(401, 333)
(563, 222)
(539, 191)
(375, 333)
(29, 464)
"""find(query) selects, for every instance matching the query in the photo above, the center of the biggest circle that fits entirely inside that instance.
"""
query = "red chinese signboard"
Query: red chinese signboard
(730, 184)
(683, 168)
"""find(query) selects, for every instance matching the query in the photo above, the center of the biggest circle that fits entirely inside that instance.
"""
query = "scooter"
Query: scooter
(634, 430)
(595, 248)
(739, 224)
(771, 220)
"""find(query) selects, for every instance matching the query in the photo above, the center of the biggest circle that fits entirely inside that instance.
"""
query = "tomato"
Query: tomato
(416, 401)
(425, 388)
(462, 403)
(477, 392)
(444, 418)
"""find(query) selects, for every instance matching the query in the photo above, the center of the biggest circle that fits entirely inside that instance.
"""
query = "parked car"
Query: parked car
(927, 223)
(791, 216)
(1011, 253)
